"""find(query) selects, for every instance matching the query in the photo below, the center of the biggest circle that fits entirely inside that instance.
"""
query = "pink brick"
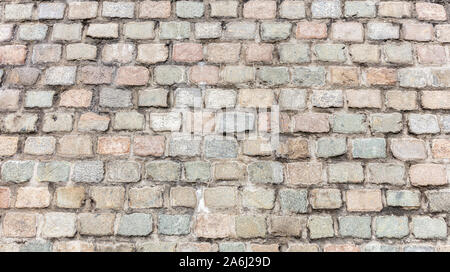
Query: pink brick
(223, 52)
(430, 12)
(381, 76)
(132, 76)
(341, 248)
(33, 197)
(187, 52)
(154, 9)
(441, 148)
(364, 200)
(418, 32)
(427, 174)
(311, 30)
(204, 74)
(5, 195)
(149, 145)
(116, 145)
(256, 9)
(431, 54)
(214, 226)
(96, 75)
(76, 98)
(311, 122)
(259, 53)
(75, 146)
(17, 224)
(13, 54)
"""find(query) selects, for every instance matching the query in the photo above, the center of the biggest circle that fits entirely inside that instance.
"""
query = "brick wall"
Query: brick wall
(261, 125)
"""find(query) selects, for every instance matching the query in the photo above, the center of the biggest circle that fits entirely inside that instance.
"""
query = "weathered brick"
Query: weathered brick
(251, 226)
(107, 197)
(108, 30)
(240, 30)
(311, 30)
(220, 197)
(129, 120)
(139, 30)
(365, 53)
(369, 148)
(88, 171)
(145, 197)
(16, 224)
(364, 200)
(135, 224)
(123, 172)
(82, 10)
(395, 9)
(408, 149)
(69, 197)
(417, 32)
(345, 172)
(33, 197)
(347, 31)
(382, 31)
(295, 201)
(326, 9)
(51, 10)
(5, 197)
(391, 226)
(260, 9)
(360, 9)
(59, 224)
(349, 123)
(364, 98)
(320, 226)
(154, 9)
(183, 197)
(189, 9)
(67, 32)
(355, 226)
(32, 32)
(18, 12)
(116, 145)
(401, 100)
(435, 100)
(169, 74)
(427, 174)
(381, 77)
(92, 224)
(118, 9)
(304, 173)
(403, 198)
(173, 224)
(163, 170)
(187, 52)
(325, 199)
(431, 12)
(132, 76)
(19, 123)
(17, 171)
(93, 122)
(440, 148)
(287, 225)
(13, 54)
(311, 122)
(149, 145)
(174, 30)
(346, 76)
(330, 52)
(265, 172)
(214, 226)
(423, 123)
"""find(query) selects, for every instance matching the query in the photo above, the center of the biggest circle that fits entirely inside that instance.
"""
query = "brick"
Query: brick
(231, 246)
(330, 52)
(139, 30)
(9, 99)
(320, 226)
(196, 247)
(69, 197)
(237, 121)
(187, 52)
(183, 197)
(360, 9)
(93, 122)
(408, 149)
(59, 224)
(391, 226)
(129, 120)
(442, 33)
(145, 197)
(292, 99)
(32, 32)
(395, 9)
(430, 12)
(88, 171)
(184, 146)
(36, 246)
(153, 98)
(265, 248)
(440, 78)
(440, 148)
(57, 121)
(292, 9)
(331, 147)
(5, 196)
(18, 12)
(154, 9)
(259, 53)
(417, 32)
(156, 246)
(378, 247)
(208, 30)
(273, 76)
(382, 31)
(347, 32)
(423, 123)
(295, 201)
(365, 53)
(16, 224)
(220, 98)
(163, 170)
(446, 123)
(115, 247)
(174, 30)
(204, 74)
(365, 200)
(258, 198)
(44, 145)
(100, 224)
(326, 9)
(51, 10)
(73, 246)
(19, 123)
(60, 75)
(355, 226)
(325, 199)
(6, 31)
(17, 171)
(109, 30)
(118, 52)
(311, 30)
(189, 9)
(224, 8)
(173, 224)
(23, 76)
(165, 121)
(135, 224)
(117, 145)
(304, 173)
(427, 174)
(13, 54)
(401, 100)
(220, 197)
(256, 98)
(431, 54)
(39, 99)
(341, 248)
(76, 98)
(327, 98)
(107, 197)
(438, 200)
(345, 172)
(237, 74)
(96, 75)
(344, 76)
(123, 172)
(385, 123)
(115, 98)
(67, 32)
(229, 171)
(311, 122)
(369, 148)
(118, 9)
(413, 78)
(82, 10)
(214, 226)
(260, 9)
(132, 76)
(424, 227)
(292, 148)
(403, 198)
(53, 171)
(169, 74)
(435, 100)
(251, 226)
(149, 145)
(381, 76)
(293, 53)
(287, 225)
(29, 197)
(302, 248)
(265, 172)
(240, 31)
(197, 171)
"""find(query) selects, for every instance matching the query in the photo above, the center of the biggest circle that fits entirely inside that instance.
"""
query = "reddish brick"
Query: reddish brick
(223, 52)
(346, 76)
(341, 248)
(441, 148)
(96, 75)
(381, 76)
(431, 54)
(256, 9)
(311, 30)
(5, 195)
(149, 145)
(76, 98)
(132, 76)
(259, 53)
(8, 145)
(430, 12)
(365, 200)
(311, 122)
(428, 174)
(187, 52)
(154, 9)
(204, 74)
(13, 54)
(116, 145)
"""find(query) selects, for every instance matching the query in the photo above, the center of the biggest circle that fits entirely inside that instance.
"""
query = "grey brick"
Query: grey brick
(135, 224)
(273, 76)
(292, 99)
(115, 98)
(36, 246)
(232, 247)
(294, 53)
(129, 120)
(425, 227)
(153, 98)
(423, 123)
(360, 9)
(123, 171)
(418, 248)
(240, 30)
(57, 121)
(163, 170)
(184, 146)
(237, 121)
(386, 122)
(19, 123)
(378, 247)
(174, 224)
(295, 201)
(331, 147)
(330, 52)
(197, 171)
(275, 31)
(398, 53)
(345, 172)
(174, 30)
(320, 226)
(369, 148)
(327, 98)
(32, 32)
(54, 171)
(326, 9)
(391, 226)
(39, 99)
(60, 75)
(189, 9)
(17, 171)
(413, 77)
(438, 200)
(169, 74)
(309, 76)
(403, 198)
(51, 10)
(88, 171)
(265, 172)
(118, 10)
(389, 173)
(188, 97)
(382, 31)
(355, 226)
(349, 123)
